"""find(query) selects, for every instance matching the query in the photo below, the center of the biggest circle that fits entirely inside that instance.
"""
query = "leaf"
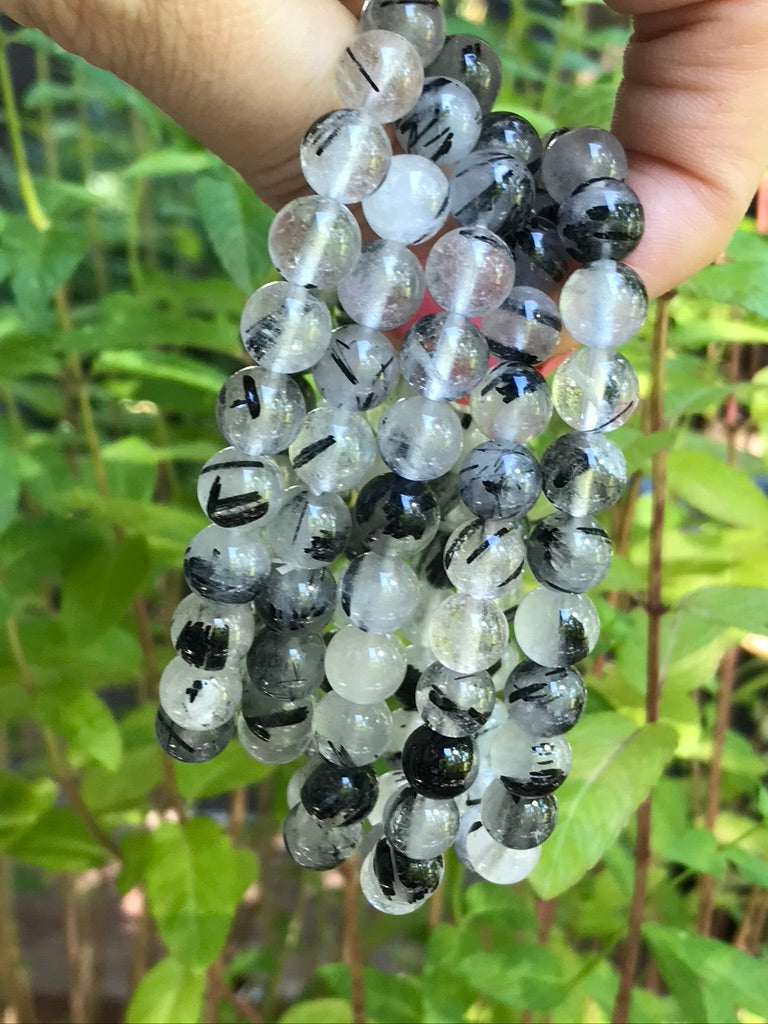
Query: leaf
(389, 998)
(523, 976)
(742, 280)
(40, 261)
(166, 162)
(751, 868)
(165, 366)
(716, 489)
(11, 487)
(234, 219)
(168, 992)
(22, 803)
(231, 769)
(59, 841)
(615, 765)
(697, 849)
(83, 720)
(318, 1011)
(744, 608)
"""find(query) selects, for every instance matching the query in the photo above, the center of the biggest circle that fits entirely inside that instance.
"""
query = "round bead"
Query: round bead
(444, 124)
(483, 740)
(477, 850)
(359, 369)
(420, 827)
(284, 328)
(556, 629)
(583, 474)
(540, 257)
(208, 634)
(569, 553)
(529, 765)
(378, 592)
(580, 155)
(235, 489)
(498, 481)
(195, 698)
(389, 783)
(336, 795)
(333, 450)
(260, 412)
(382, 73)
(438, 766)
(453, 704)
(404, 722)
(512, 404)
(603, 304)
(544, 701)
(315, 846)
(347, 733)
(310, 530)
(470, 60)
(421, 22)
(294, 599)
(525, 327)
(364, 667)
(411, 204)
(285, 666)
(491, 190)
(273, 731)
(469, 271)
(314, 241)
(226, 565)
(345, 155)
(396, 515)
(394, 884)
(594, 390)
(443, 356)
(600, 220)
(484, 558)
(191, 746)
(517, 822)
(385, 287)
(419, 439)
(504, 132)
(467, 634)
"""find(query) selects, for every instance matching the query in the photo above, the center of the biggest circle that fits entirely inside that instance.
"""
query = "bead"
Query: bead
(310, 530)
(512, 404)
(505, 132)
(236, 489)
(595, 390)
(438, 766)
(333, 450)
(208, 634)
(603, 304)
(419, 439)
(525, 327)
(314, 241)
(226, 565)
(336, 795)
(195, 698)
(397, 515)
(345, 155)
(380, 72)
(404, 722)
(390, 782)
(364, 667)
(483, 740)
(394, 884)
(317, 847)
(420, 827)
(378, 592)
(491, 190)
(359, 369)
(443, 356)
(569, 553)
(544, 701)
(296, 781)
(472, 61)
(411, 204)
(469, 271)
(484, 558)
(600, 220)
(285, 666)
(286, 329)
(444, 124)
(421, 22)
(191, 746)
(453, 704)
(555, 629)
(350, 734)
(294, 599)
(260, 412)
(540, 257)
(274, 731)
(467, 634)
(580, 155)
(583, 474)
(385, 287)
(517, 822)
(480, 852)
(529, 765)
(499, 481)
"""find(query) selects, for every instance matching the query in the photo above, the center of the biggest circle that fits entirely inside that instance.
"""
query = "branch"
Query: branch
(351, 940)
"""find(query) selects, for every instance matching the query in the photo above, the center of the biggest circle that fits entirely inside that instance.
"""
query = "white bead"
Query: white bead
(411, 204)
(380, 72)
(364, 667)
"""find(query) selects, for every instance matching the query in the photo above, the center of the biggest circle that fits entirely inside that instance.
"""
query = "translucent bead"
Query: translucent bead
(333, 450)
(529, 765)
(444, 124)
(317, 847)
(419, 439)
(285, 328)
(469, 271)
(443, 356)
(569, 553)
(195, 698)
(421, 22)
(260, 412)
(467, 634)
(583, 474)
(491, 190)
(480, 852)
(295, 599)
(208, 634)
(347, 733)
(594, 390)
(544, 701)
(419, 826)
(381, 72)
(285, 666)
(600, 220)
(603, 304)
(336, 795)
(191, 746)
(404, 722)
(555, 629)
(236, 489)
(517, 822)
(579, 155)
(314, 241)
(310, 530)
(483, 740)
(438, 766)
(526, 326)
(274, 731)
(359, 369)
(411, 204)
(499, 481)
(345, 155)
(394, 884)
(396, 515)
(454, 704)
(296, 781)
(385, 287)
(512, 404)
(540, 257)
(226, 565)
(364, 667)
(509, 133)
(472, 61)
(378, 592)
(389, 783)
(484, 558)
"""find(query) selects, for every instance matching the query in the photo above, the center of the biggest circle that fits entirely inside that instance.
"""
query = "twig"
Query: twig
(750, 933)
(351, 940)
(218, 989)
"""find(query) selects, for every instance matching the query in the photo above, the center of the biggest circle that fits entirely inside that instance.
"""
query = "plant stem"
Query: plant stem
(351, 940)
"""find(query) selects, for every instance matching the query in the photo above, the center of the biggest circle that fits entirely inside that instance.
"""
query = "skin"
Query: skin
(247, 77)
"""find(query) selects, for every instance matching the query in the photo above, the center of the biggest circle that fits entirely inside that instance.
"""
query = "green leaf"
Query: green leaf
(22, 803)
(751, 868)
(236, 224)
(742, 280)
(230, 769)
(40, 261)
(716, 489)
(389, 998)
(522, 977)
(697, 849)
(166, 162)
(446, 994)
(743, 608)
(615, 765)
(59, 841)
(83, 720)
(11, 487)
(168, 992)
(165, 366)
(140, 769)
(318, 1011)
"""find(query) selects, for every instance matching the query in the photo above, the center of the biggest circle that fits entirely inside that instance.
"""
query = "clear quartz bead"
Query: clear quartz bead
(235, 489)
(544, 701)
(444, 124)
(317, 847)
(525, 326)
(333, 450)
(345, 155)
(191, 746)
(421, 22)
(470, 60)
(512, 404)
(196, 698)
(529, 765)
(583, 474)
(484, 558)
(359, 369)
(469, 271)
(467, 634)
(364, 667)
(499, 481)
(580, 155)
(347, 733)
(382, 73)
(480, 852)
(444, 356)
(379, 593)
(310, 530)
(395, 884)
(396, 515)
(517, 822)
(454, 703)
(492, 190)
(555, 629)
(600, 220)
(420, 827)
(510, 133)
(420, 439)
(285, 328)
(286, 666)
(385, 287)
(294, 599)
(314, 241)
(210, 635)
(260, 412)
(603, 304)
(594, 390)
(226, 564)
(569, 553)
(411, 204)
(274, 731)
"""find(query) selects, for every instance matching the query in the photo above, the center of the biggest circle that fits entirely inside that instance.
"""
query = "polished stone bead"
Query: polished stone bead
(529, 765)
(418, 826)
(285, 328)
(381, 72)
(208, 634)
(378, 592)
(286, 666)
(310, 530)
(191, 746)
(336, 795)
(411, 204)
(228, 565)
(525, 327)
(469, 271)
(444, 123)
(583, 474)
(593, 390)
(420, 439)
(544, 701)
(196, 698)
(359, 369)
(274, 731)
(345, 155)
(364, 667)
(294, 599)
(421, 22)
(395, 884)
(351, 734)
(314, 242)
(467, 634)
(444, 356)
(600, 220)
(453, 703)
(397, 515)
(385, 287)
(260, 412)
(556, 629)
(235, 489)
(491, 190)
(569, 553)
(499, 481)
(319, 847)
(470, 60)
(517, 822)
(512, 404)
(333, 450)
(603, 304)
(505, 132)
(438, 766)
(540, 257)
(480, 852)
(484, 558)
(580, 155)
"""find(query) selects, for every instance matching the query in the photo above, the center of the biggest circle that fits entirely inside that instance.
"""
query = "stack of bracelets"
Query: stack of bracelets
(352, 595)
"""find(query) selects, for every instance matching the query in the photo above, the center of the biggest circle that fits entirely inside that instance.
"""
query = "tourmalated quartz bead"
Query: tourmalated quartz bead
(483, 740)
(579, 155)
(499, 481)
(395, 884)
(480, 852)
(600, 220)
(544, 701)
(583, 474)
(196, 698)
(420, 827)
(525, 326)
(517, 822)
(484, 558)
(470, 60)
(339, 795)
(421, 22)
(235, 489)
(314, 241)
(594, 390)
(492, 190)
(285, 328)
(467, 634)
(359, 369)
(411, 204)
(420, 439)
(310, 530)
(378, 592)
(274, 731)
(603, 304)
(440, 767)
(469, 271)
(364, 667)
(555, 629)
(226, 565)
(569, 553)
(396, 515)
(540, 257)
(505, 132)
(286, 666)
(380, 72)
(260, 412)
(529, 765)
(385, 287)
(315, 846)
(293, 599)
(444, 356)
(452, 703)
(333, 450)
(191, 746)
(404, 722)
(347, 733)
(444, 124)
(390, 782)
(512, 404)
(345, 155)
(208, 634)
